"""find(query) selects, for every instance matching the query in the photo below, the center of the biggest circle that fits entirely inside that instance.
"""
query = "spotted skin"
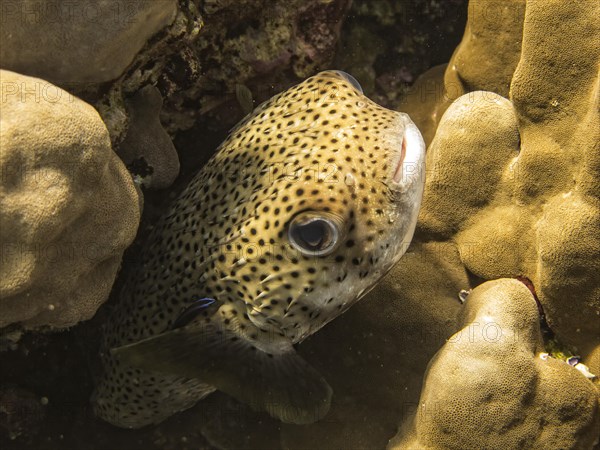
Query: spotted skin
(320, 146)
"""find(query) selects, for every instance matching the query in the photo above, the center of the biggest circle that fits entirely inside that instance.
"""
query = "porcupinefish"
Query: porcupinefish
(309, 201)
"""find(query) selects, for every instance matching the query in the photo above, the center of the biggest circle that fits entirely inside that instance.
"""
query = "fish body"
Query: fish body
(309, 201)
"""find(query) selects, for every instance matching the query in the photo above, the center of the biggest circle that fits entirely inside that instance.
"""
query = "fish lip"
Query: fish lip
(407, 162)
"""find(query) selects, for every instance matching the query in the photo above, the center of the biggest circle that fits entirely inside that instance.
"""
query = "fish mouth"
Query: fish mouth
(408, 160)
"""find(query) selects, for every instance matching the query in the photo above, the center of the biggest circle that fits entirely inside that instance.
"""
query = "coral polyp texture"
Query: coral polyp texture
(68, 206)
(491, 385)
(516, 183)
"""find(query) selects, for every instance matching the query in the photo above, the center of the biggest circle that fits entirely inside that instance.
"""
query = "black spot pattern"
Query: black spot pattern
(320, 146)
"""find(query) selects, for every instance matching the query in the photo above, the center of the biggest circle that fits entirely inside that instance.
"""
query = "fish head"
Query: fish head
(310, 200)
(336, 187)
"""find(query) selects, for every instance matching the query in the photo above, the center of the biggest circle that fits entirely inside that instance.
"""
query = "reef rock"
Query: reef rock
(264, 44)
(490, 386)
(78, 42)
(68, 206)
(147, 148)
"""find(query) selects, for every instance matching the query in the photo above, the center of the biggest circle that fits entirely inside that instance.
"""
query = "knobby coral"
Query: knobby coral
(490, 386)
(516, 183)
(490, 48)
(68, 206)
(485, 60)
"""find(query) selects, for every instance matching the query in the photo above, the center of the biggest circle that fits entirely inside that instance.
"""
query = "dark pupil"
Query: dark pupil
(313, 234)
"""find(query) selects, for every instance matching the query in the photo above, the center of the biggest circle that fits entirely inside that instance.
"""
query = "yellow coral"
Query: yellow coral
(68, 206)
(490, 48)
(537, 213)
(489, 386)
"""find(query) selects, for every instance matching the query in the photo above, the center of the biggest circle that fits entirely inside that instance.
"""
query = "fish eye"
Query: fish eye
(353, 81)
(314, 234)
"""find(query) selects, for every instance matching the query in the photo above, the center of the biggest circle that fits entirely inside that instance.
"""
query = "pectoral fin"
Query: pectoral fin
(283, 384)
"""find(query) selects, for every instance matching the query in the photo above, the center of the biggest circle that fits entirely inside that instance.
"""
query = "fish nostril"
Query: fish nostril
(353, 81)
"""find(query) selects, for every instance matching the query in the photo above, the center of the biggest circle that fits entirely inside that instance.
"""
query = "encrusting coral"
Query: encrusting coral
(538, 213)
(491, 386)
(68, 206)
